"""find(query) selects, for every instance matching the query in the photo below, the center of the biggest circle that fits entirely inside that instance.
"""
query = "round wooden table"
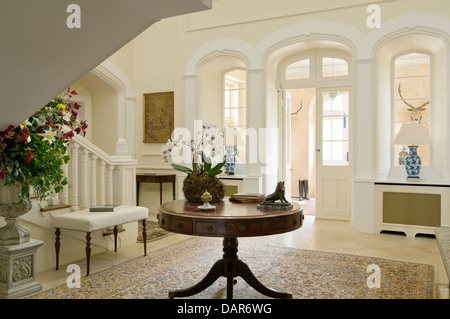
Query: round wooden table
(230, 221)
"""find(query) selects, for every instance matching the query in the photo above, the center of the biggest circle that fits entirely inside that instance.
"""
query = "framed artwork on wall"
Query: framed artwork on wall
(158, 117)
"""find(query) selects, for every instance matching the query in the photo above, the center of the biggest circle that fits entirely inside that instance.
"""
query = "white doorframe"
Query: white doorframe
(333, 178)
(285, 136)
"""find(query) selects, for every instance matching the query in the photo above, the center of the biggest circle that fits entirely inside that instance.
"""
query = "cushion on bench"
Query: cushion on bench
(443, 240)
(87, 221)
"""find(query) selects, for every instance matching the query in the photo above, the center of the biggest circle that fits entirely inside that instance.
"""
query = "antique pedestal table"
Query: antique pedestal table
(230, 221)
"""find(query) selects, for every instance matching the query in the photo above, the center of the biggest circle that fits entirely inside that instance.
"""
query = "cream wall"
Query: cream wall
(168, 56)
(156, 60)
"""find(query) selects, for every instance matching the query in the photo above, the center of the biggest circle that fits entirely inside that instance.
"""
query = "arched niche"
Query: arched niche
(103, 112)
(111, 115)
(211, 109)
(436, 47)
(211, 86)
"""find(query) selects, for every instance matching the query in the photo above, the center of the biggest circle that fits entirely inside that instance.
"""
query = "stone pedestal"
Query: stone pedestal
(17, 270)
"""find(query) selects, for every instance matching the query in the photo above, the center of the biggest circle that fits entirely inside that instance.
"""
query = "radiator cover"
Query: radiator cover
(412, 209)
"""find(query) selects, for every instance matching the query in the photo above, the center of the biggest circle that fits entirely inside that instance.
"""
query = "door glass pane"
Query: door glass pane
(326, 154)
(326, 135)
(335, 101)
(338, 151)
(335, 128)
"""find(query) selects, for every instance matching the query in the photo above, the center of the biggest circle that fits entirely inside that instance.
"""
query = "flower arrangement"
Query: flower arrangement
(31, 154)
(202, 149)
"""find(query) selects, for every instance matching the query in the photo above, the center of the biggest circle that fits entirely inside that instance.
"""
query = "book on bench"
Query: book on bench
(104, 208)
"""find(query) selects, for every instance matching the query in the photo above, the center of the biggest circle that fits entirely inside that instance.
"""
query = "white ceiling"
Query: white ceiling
(40, 56)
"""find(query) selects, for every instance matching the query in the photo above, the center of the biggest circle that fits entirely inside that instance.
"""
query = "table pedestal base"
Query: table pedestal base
(229, 266)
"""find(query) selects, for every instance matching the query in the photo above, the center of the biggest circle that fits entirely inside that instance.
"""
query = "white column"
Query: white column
(74, 178)
(253, 179)
(121, 144)
(101, 186)
(109, 183)
(191, 101)
(363, 111)
(130, 125)
(93, 181)
(363, 146)
(84, 185)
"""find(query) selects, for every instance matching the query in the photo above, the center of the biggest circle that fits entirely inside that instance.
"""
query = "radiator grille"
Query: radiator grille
(412, 209)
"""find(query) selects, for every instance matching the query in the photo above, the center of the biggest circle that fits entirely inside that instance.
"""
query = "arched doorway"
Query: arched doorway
(314, 109)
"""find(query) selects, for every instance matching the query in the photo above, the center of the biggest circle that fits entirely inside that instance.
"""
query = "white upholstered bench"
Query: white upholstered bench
(87, 221)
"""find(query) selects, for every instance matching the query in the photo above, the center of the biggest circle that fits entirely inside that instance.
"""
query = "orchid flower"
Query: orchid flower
(207, 140)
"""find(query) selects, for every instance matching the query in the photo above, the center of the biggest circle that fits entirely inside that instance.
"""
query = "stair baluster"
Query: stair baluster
(93, 181)
(84, 186)
(74, 176)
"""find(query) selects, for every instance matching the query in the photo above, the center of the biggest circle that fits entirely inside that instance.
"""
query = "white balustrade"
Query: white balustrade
(92, 176)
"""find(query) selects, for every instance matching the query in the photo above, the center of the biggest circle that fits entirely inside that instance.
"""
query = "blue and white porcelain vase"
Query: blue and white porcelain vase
(230, 160)
(413, 162)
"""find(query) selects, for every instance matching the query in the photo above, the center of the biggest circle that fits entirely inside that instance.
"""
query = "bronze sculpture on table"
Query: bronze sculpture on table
(271, 201)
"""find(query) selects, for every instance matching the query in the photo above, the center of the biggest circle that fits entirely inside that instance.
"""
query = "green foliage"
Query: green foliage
(182, 168)
(32, 154)
(205, 167)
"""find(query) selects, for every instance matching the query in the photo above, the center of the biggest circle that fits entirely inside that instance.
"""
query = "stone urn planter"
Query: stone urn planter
(11, 209)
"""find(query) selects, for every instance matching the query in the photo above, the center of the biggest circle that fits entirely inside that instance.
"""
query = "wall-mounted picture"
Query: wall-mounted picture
(158, 117)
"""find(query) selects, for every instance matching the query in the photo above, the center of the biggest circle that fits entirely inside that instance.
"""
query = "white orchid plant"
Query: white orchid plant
(203, 148)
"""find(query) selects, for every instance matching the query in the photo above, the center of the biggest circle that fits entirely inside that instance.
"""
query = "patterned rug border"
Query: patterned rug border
(129, 290)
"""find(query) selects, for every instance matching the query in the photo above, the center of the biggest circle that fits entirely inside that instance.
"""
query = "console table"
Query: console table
(230, 221)
(155, 178)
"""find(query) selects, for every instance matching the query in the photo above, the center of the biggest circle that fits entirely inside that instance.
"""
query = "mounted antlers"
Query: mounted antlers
(415, 111)
(301, 106)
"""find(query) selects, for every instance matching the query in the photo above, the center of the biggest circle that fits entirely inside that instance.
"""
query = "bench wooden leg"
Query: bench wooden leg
(57, 246)
(115, 238)
(144, 235)
(88, 252)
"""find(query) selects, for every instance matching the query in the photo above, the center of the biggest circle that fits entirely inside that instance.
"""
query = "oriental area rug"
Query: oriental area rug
(154, 232)
(307, 274)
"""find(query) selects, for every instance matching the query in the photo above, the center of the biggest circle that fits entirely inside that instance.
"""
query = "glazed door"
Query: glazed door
(333, 161)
